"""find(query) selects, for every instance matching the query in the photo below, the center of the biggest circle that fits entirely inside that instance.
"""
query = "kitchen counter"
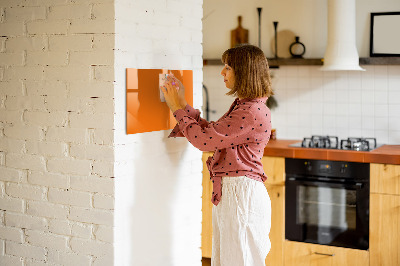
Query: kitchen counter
(389, 154)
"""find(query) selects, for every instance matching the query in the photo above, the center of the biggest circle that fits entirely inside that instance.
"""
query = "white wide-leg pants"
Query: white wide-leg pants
(241, 223)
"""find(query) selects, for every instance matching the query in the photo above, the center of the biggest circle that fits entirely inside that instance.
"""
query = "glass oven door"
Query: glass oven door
(327, 212)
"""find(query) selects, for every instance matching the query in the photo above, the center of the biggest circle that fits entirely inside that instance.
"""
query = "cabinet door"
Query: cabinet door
(274, 168)
(206, 226)
(384, 229)
(385, 178)
(304, 254)
(277, 233)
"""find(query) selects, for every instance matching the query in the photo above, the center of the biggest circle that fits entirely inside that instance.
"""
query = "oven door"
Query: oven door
(327, 213)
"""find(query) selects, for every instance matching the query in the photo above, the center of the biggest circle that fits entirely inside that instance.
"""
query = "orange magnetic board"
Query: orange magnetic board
(144, 110)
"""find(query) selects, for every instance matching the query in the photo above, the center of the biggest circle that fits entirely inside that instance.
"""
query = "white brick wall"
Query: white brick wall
(56, 132)
(155, 180)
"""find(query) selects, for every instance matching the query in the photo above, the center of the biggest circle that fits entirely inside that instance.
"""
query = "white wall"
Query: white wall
(158, 180)
(344, 103)
(56, 132)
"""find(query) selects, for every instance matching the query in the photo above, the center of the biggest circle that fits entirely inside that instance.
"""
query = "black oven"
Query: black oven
(327, 202)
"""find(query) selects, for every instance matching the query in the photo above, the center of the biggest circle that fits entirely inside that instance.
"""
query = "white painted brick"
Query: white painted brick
(11, 88)
(47, 27)
(25, 250)
(104, 73)
(95, 216)
(70, 12)
(25, 161)
(24, 132)
(81, 73)
(69, 197)
(2, 158)
(48, 179)
(25, 221)
(46, 2)
(31, 262)
(82, 230)
(64, 134)
(47, 58)
(103, 11)
(25, 191)
(101, 136)
(191, 23)
(103, 202)
(91, 247)
(71, 43)
(47, 240)
(11, 59)
(12, 29)
(11, 117)
(12, 145)
(93, 184)
(103, 41)
(96, 57)
(31, 43)
(2, 44)
(25, 103)
(46, 118)
(11, 233)
(96, 105)
(104, 169)
(91, 26)
(24, 73)
(56, 103)
(91, 89)
(98, 120)
(105, 260)
(24, 13)
(68, 258)
(12, 204)
(46, 209)
(11, 260)
(104, 233)
(92, 151)
(60, 227)
(69, 166)
(56, 149)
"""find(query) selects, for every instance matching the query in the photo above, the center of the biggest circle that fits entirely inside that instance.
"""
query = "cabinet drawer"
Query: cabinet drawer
(305, 254)
(274, 168)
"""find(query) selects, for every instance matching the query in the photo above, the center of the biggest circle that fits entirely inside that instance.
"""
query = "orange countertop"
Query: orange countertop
(389, 154)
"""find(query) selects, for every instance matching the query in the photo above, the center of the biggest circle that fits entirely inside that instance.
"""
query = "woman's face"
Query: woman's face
(229, 76)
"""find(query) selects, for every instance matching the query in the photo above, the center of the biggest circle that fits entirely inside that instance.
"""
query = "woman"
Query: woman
(242, 208)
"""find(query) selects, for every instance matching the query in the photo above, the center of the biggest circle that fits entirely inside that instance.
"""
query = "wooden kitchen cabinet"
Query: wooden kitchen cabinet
(274, 168)
(206, 225)
(384, 236)
(385, 178)
(305, 254)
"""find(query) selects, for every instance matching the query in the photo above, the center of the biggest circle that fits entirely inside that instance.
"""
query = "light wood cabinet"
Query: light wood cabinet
(305, 254)
(384, 236)
(206, 226)
(385, 178)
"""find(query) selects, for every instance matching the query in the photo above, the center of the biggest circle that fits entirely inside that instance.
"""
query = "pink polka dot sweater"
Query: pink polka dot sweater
(238, 139)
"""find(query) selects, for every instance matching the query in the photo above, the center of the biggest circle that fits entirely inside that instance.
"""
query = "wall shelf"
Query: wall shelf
(274, 63)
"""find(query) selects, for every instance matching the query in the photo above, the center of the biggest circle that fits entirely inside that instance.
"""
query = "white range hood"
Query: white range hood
(341, 51)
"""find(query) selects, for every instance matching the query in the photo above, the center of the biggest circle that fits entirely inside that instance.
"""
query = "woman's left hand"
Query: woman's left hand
(170, 90)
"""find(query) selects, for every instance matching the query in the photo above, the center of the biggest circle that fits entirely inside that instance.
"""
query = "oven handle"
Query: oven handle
(357, 185)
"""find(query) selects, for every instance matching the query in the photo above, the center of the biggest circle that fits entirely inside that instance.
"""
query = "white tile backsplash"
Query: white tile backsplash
(343, 103)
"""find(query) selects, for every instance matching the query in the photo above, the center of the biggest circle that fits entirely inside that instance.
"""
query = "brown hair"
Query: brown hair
(250, 66)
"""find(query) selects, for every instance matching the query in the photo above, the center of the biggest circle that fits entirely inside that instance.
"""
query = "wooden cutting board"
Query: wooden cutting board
(239, 35)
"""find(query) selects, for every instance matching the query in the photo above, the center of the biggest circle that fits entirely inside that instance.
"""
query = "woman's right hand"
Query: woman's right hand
(181, 91)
